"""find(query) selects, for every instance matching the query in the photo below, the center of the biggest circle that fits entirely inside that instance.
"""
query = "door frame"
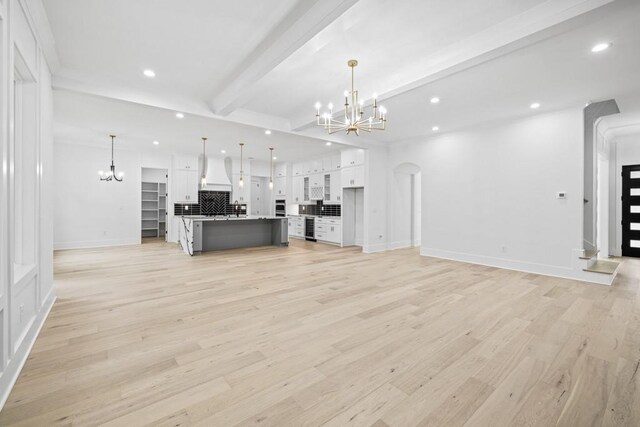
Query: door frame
(628, 217)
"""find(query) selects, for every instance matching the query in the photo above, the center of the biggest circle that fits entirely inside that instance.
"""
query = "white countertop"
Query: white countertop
(230, 218)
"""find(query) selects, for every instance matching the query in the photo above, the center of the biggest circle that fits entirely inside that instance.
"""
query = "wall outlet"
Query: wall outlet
(561, 195)
(21, 313)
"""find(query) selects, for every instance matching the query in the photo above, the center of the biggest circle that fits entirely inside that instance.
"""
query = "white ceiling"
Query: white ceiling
(230, 64)
(193, 46)
(88, 119)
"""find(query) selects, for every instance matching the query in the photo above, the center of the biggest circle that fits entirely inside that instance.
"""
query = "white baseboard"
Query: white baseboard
(524, 266)
(96, 243)
(402, 244)
(378, 247)
(16, 363)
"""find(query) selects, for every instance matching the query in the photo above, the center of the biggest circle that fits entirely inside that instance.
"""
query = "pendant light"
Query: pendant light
(241, 180)
(111, 175)
(203, 178)
(271, 168)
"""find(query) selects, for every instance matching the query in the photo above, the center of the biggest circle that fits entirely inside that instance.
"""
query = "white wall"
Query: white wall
(26, 187)
(489, 194)
(377, 175)
(627, 152)
(89, 212)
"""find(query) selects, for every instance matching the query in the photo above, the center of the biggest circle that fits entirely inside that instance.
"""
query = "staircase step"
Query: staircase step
(603, 267)
(589, 253)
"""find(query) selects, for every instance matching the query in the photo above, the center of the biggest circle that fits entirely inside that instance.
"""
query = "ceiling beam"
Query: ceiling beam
(306, 20)
(525, 29)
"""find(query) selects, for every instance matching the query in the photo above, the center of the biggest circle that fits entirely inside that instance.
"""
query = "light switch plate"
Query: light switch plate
(561, 195)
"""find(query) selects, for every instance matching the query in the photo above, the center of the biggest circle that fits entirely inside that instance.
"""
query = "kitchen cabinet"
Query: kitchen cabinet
(316, 186)
(353, 176)
(328, 229)
(316, 180)
(186, 163)
(336, 161)
(241, 195)
(299, 169)
(333, 187)
(296, 226)
(279, 186)
(352, 157)
(305, 189)
(315, 166)
(186, 186)
(298, 189)
(327, 164)
(280, 170)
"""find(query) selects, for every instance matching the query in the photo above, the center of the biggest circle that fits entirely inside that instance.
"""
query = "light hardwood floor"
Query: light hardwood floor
(313, 335)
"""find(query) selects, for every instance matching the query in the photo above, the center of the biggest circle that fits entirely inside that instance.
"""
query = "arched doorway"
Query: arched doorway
(406, 208)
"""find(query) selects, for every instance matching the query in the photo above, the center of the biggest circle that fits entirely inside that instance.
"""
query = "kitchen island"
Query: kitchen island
(199, 234)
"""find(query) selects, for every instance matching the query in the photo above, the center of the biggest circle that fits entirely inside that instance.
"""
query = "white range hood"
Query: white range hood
(216, 174)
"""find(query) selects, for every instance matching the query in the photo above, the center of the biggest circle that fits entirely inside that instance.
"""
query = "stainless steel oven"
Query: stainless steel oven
(281, 207)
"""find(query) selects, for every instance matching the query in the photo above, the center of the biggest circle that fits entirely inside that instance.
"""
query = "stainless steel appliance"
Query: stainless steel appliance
(281, 207)
(309, 228)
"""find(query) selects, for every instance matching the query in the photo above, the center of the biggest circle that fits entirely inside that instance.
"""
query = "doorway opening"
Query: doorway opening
(406, 207)
(353, 216)
(154, 204)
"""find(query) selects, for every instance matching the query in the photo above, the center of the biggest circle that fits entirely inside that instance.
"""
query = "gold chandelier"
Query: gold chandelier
(353, 113)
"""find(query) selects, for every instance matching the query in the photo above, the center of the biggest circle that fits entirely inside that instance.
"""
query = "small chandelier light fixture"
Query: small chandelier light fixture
(354, 120)
(203, 177)
(111, 175)
(271, 168)
(241, 180)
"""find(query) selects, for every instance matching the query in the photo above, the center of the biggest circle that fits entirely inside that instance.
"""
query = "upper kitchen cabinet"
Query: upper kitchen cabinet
(327, 164)
(352, 157)
(280, 170)
(300, 169)
(315, 166)
(353, 176)
(185, 186)
(298, 189)
(279, 186)
(336, 161)
(186, 163)
(333, 187)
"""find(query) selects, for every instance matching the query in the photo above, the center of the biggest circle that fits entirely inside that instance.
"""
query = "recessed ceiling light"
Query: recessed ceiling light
(156, 142)
(600, 47)
(328, 144)
(180, 115)
(435, 128)
(149, 73)
(223, 151)
(267, 132)
(535, 105)
(435, 100)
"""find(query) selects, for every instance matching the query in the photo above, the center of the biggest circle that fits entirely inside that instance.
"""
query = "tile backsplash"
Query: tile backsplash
(320, 209)
(210, 203)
